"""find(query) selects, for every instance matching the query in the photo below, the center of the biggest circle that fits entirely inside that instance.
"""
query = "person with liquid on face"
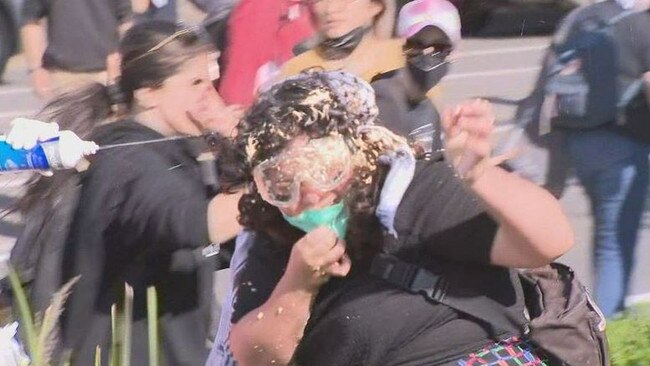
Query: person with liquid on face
(347, 30)
(306, 296)
(360, 44)
(143, 215)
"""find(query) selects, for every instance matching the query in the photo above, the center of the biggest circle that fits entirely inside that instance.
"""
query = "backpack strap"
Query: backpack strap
(410, 277)
(603, 26)
(616, 19)
(442, 289)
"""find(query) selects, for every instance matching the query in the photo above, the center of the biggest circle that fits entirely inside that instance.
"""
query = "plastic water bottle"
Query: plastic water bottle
(62, 152)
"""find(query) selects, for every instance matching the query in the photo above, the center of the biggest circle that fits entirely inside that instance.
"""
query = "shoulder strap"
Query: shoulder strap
(440, 288)
(616, 19)
(568, 55)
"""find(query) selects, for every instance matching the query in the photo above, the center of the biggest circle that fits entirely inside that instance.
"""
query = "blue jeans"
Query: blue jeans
(614, 171)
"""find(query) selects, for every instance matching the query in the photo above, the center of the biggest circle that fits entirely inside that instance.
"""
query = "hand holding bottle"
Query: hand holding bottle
(36, 145)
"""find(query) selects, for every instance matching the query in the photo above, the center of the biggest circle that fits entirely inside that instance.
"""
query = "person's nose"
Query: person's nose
(310, 199)
(208, 94)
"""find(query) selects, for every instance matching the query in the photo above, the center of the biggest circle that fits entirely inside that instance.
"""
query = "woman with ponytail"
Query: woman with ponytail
(143, 215)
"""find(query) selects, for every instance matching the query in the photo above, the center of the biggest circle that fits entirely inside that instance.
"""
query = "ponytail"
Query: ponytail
(151, 53)
(80, 110)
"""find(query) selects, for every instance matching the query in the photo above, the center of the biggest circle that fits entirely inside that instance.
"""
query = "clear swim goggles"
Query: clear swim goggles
(321, 164)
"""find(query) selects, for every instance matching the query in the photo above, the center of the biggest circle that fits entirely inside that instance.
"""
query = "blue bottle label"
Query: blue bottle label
(28, 159)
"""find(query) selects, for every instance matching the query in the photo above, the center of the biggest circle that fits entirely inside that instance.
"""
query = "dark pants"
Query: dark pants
(614, 171)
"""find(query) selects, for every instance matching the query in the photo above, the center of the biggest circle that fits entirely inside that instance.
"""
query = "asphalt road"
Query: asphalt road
(503, 68)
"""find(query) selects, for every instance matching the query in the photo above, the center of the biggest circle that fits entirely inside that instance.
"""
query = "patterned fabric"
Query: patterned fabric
(510, 352)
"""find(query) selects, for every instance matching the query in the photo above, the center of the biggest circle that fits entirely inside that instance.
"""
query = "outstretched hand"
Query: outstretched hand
(468, 138)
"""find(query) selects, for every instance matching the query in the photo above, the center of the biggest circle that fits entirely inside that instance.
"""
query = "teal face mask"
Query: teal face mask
(334, 217)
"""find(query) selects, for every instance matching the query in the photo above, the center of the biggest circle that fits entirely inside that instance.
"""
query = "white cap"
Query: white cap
(417, 14)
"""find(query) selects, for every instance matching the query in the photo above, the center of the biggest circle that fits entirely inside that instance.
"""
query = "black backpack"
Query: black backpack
(563, 320)
(581, 89)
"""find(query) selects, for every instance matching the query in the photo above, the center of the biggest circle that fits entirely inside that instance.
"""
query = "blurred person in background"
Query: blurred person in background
(612, 165)
(348, 40)
(402, 71)
(260, 36)
(167, 10)
(143, 215)
(68, 43)
(146, 10)
(216, 14)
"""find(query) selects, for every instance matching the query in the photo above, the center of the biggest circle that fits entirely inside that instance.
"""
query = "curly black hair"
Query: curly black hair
(315, 104)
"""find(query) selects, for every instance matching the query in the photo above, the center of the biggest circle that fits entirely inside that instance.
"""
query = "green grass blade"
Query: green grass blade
(152, 322)
(25, 313)
(116, 330)
(98, 356)
(127, 326)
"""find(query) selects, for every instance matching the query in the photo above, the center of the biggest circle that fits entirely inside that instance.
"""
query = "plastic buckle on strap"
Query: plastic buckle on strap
(432, 285)
(409, 277)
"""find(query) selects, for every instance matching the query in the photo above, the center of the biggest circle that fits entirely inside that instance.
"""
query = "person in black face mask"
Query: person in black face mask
(426, 54)
(431, 29)
(351, 41)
